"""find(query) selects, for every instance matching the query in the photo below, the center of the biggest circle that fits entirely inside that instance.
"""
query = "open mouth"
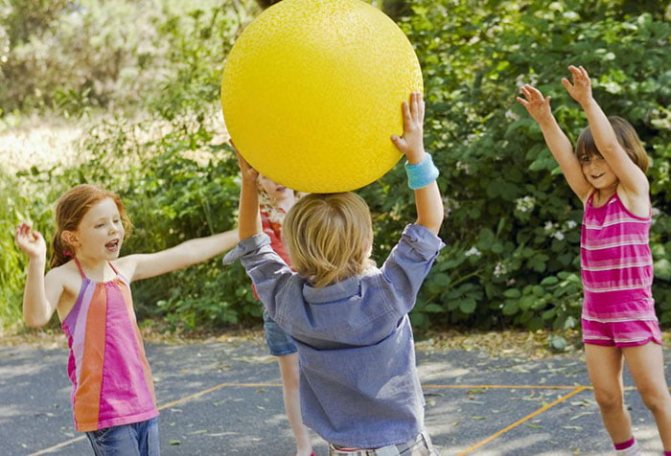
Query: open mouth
(597, 176)
(113, 246)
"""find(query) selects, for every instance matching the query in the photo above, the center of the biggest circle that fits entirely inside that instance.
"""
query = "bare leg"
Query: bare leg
(604, 365)
(646, 364)
(292, 402)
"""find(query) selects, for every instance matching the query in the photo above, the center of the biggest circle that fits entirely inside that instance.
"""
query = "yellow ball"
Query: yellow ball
(312, 92)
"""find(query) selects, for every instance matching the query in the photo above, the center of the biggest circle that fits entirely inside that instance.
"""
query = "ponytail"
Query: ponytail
(61, 252)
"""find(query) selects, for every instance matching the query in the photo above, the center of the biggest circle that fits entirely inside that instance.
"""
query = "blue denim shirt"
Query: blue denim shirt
(359, 384)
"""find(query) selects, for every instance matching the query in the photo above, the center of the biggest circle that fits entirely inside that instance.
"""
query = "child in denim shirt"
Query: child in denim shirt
(359, 385)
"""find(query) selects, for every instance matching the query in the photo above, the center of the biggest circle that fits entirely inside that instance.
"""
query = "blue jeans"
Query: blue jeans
(279, 342)
(136, 439)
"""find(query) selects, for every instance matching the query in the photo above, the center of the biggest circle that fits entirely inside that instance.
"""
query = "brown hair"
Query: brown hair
(71, 208)
(329, 237)
(626, 136)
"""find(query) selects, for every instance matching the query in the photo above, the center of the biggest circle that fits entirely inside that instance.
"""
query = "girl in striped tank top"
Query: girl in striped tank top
(88, 285)
(607, 172)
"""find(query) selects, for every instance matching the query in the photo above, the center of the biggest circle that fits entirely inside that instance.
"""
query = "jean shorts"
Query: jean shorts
(279, 342)
(135, 439)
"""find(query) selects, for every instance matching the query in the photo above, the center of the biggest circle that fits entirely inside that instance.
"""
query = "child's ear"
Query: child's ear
(70, 238)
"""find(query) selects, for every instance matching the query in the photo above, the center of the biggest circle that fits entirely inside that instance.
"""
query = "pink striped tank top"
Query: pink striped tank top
(111, 380)
(616, 263)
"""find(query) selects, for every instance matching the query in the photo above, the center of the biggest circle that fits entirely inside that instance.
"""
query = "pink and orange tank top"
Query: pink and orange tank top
(111, 380)
(616, 263)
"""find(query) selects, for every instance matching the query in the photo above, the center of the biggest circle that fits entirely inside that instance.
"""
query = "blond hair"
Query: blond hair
(329, 237)
(626, 136)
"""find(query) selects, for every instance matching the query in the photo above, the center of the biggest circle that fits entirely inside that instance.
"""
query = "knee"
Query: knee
(655, 399)
(608, 400)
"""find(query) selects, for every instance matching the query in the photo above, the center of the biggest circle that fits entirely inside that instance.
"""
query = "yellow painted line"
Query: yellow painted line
(517, 423)
(165, 406)
(535, 387)
(543, 387)
(279, 385)
(215, 388)
(59, 446)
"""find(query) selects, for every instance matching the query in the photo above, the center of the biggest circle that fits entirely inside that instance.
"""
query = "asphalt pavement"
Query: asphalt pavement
(224, 398)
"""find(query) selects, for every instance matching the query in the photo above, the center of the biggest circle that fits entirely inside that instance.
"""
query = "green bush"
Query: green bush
(20, 199)
(11, 261)
(177, 180)
(513, 223)
(72, 56)
(512, 227)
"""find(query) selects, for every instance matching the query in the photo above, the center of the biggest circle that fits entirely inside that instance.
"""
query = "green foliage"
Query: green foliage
(11, 261)
(512, 228)
(71, 56)
(513, 224)
(177, 179)
(197, 42)
(23, 18)
(18, 202)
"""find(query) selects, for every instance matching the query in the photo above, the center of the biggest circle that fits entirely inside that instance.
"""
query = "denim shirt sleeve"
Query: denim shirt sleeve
(269, 273)
(408, 265)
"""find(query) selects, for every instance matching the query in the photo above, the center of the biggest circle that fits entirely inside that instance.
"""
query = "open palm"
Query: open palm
(581, 87)
(535, 103)
(30, 241)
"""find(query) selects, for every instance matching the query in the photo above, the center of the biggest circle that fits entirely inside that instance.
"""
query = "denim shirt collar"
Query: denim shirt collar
(336, 292)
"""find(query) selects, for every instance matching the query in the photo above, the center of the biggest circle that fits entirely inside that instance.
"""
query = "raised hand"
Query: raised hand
(30, 241)
(535, 103)
(248, 173)
(581, 87)
(412, 142)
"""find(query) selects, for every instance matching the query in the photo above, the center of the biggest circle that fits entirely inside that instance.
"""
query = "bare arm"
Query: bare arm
(144, 266)
(41, 294)
(430, 211)
(538, 107)
(249, 222)
(631, 176)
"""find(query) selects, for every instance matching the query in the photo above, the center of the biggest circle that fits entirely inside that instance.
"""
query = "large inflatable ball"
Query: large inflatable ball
(312, 91)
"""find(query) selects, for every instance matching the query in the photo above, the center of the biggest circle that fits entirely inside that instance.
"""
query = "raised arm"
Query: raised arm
(539, 109)
(631, 176)
(249, 222)
(144, 266)
(41, 294)
(430, 211)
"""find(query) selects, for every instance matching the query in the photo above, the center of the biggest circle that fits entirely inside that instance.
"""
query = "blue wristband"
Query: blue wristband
(421, 174)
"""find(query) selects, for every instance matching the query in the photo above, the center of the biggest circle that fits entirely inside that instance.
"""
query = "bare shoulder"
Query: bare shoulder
(637, 204)
(66, 281)
(66, 275)
(126, 265)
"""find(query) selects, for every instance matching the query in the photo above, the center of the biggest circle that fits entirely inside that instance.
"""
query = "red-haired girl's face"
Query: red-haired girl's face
(100, 233)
